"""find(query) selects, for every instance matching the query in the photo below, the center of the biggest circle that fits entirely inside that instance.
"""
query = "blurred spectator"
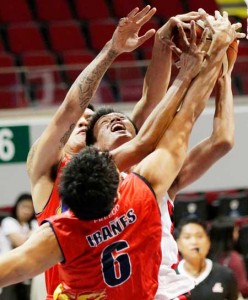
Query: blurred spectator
(224, 235)
(213, 281)
(16, 229)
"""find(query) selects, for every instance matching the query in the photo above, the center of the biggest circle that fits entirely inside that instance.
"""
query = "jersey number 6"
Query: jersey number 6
(116, 267)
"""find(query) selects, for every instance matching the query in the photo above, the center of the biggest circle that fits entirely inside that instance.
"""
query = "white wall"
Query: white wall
(229, 172)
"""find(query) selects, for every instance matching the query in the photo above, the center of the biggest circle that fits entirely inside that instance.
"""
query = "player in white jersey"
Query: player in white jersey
(198, 161)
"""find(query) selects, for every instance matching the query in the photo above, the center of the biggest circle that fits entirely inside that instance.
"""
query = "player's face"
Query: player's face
(78, 135)
(113, 130)
(193, 242)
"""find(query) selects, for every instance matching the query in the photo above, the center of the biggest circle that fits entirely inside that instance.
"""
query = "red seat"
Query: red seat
(167, 10)
(89, 10)
(49, 95)
(241, 66)
(1, 46)
(243, 48)
(125, 68)
(245, 84)
(25, 37)
(103, 94)
(66, 36)
(41, 63)
(244, 25)
(130, 91)
(209, 6)
(15, 11)
(8, 77)
(48, 10)
(12, 99)
(101, 31)
(75, 62)
(122, 8)
(59, 94)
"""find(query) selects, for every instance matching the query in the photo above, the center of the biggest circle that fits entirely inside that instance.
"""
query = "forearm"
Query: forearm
(224, 126)
(83, 89)
(10, 273)
(156, 81)
(39, 253)
(155, 125)
(210, 150)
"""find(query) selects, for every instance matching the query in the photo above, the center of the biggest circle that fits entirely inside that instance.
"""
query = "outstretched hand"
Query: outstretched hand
(192, 54)
(166, 31)
(220, 24)
(126, 36)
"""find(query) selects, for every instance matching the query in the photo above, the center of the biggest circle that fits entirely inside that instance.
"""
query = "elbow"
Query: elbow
(223, 146)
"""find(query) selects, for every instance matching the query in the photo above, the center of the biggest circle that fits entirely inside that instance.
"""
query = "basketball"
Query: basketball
(231, 52)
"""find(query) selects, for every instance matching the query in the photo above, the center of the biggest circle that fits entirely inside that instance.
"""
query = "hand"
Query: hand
(126, 36)
(221, 27)
(192, 55)
(165, 32)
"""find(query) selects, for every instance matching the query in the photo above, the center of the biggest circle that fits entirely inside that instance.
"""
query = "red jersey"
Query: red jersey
(53, 207)
(118, 256)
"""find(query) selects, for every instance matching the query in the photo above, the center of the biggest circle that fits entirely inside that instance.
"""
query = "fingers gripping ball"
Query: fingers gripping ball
(229, 57)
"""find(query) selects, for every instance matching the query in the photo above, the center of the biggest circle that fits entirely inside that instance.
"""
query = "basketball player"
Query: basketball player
(108, 259)
(52, 150)
(168, 156)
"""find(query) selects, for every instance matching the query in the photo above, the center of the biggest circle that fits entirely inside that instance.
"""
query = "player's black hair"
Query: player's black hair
(89, 183)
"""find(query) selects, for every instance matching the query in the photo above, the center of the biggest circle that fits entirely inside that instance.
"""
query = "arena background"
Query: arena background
(37, 69)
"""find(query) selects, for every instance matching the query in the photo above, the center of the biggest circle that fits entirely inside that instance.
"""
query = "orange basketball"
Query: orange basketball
(231, 52)
(199, 27)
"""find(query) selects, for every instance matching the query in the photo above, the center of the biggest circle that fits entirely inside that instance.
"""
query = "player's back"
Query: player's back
(116, 257)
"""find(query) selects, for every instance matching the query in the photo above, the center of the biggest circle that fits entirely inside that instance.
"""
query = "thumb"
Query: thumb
(146, 36)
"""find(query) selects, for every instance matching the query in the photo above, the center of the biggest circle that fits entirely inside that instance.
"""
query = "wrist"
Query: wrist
(184, 76)
(220, 40)
(112, 49)
(165, 32)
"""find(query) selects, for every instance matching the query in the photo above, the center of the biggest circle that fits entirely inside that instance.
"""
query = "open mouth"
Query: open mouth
(82, 131)
(118, 127)
(196, 249)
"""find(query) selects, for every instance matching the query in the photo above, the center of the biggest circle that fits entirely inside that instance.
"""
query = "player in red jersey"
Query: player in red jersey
(52, 150)
(65, 135)
(167, 155)
(48, 204)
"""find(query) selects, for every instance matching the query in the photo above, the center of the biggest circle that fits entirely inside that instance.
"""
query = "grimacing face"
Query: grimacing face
(113, 130)
(78, 135)
(193, 242)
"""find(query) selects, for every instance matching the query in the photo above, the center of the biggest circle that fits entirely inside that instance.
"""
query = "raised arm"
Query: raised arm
(47, 152)
(161, 167)
(210, 150)
(159, 120)
(200, 159)
(158, 73)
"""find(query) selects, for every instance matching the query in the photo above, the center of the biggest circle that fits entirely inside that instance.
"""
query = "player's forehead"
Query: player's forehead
(111, 116)
(87, 113)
